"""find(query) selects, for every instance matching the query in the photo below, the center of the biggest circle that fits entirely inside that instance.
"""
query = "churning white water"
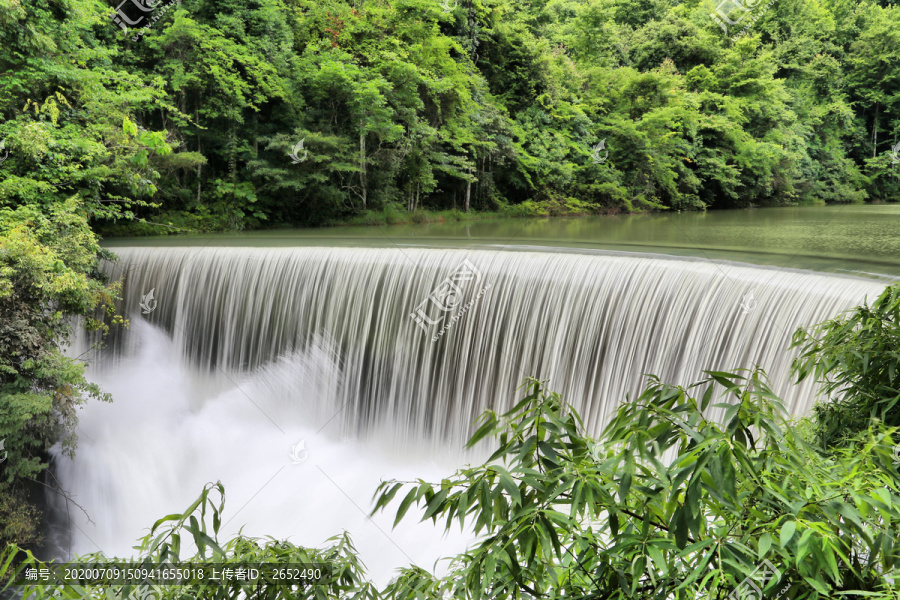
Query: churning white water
(379, 360)
(171, 430)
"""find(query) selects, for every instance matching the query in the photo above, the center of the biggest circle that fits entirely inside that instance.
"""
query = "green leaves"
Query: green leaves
(481, 105)
(855, 361)
(343, 574)
(787, 533)
(48, 276)
(509, 485)
(615, 517)
(128, 127)
(665, 504)
(680, 526)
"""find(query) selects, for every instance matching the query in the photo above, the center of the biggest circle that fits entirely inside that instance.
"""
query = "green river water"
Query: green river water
(859, 239)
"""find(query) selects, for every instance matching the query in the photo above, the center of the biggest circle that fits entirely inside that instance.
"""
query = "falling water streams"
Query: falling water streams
(379, 360)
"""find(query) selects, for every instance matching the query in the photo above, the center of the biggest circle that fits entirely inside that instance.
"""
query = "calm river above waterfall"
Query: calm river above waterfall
(827, 238)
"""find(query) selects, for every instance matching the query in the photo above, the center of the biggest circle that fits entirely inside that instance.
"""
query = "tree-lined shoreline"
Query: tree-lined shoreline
(234, 115)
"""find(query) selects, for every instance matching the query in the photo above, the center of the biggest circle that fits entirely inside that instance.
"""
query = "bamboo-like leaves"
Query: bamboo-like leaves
(666, 502)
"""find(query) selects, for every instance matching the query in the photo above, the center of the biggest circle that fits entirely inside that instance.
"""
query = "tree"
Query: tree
(67, 115)
(48, 277)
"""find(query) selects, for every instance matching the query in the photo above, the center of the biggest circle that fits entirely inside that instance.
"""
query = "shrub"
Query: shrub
(856, 360)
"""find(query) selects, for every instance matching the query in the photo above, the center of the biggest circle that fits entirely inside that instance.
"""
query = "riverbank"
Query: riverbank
(205, 221)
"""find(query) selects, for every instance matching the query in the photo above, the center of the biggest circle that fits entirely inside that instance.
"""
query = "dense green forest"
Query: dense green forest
(236, 114)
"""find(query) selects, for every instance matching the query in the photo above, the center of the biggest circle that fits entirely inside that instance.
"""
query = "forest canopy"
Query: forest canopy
(226, 115)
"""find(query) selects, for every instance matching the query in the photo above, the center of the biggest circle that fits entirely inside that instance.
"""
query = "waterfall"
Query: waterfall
(425, 340)
(300, 377)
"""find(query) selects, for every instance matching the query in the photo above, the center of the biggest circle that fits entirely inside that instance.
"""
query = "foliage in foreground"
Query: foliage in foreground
(856, 359)
(667, 504)
(198, 528)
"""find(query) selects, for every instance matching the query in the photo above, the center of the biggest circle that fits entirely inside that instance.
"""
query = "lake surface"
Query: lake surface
(860, 239)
